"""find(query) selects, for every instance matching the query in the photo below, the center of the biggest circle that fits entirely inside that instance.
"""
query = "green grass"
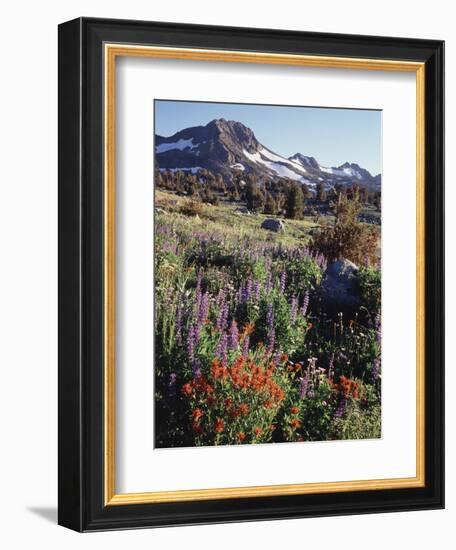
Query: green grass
(224, 218)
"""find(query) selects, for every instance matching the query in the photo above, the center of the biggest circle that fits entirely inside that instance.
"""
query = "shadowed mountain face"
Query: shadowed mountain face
(225, 147)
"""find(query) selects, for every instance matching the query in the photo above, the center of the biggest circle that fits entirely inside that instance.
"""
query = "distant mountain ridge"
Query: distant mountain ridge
(225, 147)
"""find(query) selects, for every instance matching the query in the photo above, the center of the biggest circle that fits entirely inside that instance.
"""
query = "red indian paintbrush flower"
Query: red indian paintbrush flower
(197, 414)
(219, 425)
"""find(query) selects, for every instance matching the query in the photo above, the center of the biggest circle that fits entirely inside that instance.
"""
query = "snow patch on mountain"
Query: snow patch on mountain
(350, 172)
(281, 166)
(180, 145)
(193, 170)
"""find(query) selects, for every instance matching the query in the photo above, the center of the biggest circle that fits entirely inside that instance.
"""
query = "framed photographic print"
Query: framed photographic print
(250, 274)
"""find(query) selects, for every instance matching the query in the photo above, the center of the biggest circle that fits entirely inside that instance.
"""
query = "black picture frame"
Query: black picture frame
(81, 164)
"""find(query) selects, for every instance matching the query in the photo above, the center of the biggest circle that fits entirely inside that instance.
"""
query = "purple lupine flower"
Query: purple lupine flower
(198, 293)
(305, 304)
(196, 368)
(256, 290)
(271, 328)
(293, 309)
(234, 335)
(271, 340)
(246, 346)
(283, 278)
(331, 367)
(222, 317)
(222, 347)
(378, 329)
(247, 290)
(192, 340)
(270, 316)
(376, 369)
(340, 410)
(268, 286)
(304, 384)
(221, 296)
(203, 308)
(178, 326)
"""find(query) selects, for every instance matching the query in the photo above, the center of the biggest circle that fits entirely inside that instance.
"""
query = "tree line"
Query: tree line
(283, 196)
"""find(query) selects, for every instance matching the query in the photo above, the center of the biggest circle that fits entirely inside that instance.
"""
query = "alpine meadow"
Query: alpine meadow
(267, 274)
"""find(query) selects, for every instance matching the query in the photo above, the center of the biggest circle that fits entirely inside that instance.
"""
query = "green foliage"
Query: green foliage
(270, 206)
(317, 413)
(359, 422)
(254, 196)
(303, 275)
(321, 193)
(348, 238)
(249, 389)
(294, 202)
(192, 208)
(370, 281)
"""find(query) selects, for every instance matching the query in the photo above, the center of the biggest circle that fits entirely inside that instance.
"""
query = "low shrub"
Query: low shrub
(192, 208)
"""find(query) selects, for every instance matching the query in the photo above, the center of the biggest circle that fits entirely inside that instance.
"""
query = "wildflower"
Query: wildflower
(245, 346)
(197, 414)
(304, 383)
(294, 309)
(228, 402)
(222, 347)
(222, 316)
(283, 278)
(331, 367)
(219, 425)
(203, 310)
(243, 409)
(241, 436)
(256, 290)
(196, 368)
(305, 304)
(268, 286)
(339, 412)
(247, 290)
(187, 389)
(196, 426)
(271, 329)
(234, 336)
(294, 410)
(376, 369)
(191, 342)
(248, 329)
(198, 290)
(258, 431)
(295, 423)
(178, 327)
(378, 329)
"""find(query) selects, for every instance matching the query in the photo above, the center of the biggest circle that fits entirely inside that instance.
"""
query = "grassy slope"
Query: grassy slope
(224, 218)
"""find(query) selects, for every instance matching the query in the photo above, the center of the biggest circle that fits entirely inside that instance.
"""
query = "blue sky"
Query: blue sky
(332, 136)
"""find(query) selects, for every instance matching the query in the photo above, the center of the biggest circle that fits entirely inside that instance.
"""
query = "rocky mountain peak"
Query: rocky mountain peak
(225, 146)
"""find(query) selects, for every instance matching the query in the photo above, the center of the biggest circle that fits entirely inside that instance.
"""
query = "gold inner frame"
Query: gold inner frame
(111, 52)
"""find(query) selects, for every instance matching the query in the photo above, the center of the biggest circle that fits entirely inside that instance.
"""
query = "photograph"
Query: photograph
(267, 276)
